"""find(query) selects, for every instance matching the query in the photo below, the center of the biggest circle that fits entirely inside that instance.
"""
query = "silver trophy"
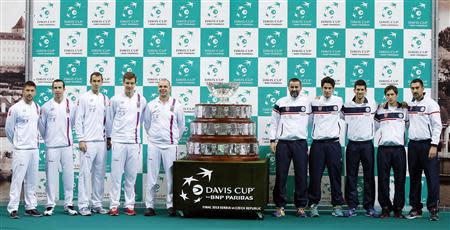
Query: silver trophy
(223, 90)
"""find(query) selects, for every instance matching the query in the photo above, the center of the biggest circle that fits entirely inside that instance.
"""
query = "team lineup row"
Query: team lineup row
(100, 124)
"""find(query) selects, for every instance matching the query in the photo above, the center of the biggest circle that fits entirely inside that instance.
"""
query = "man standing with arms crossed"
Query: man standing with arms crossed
(325, 149)
(90, 120)
(359, 114)
(164, 124)
(22, 131)
(55, 126)
(424, 132)
(123, 127)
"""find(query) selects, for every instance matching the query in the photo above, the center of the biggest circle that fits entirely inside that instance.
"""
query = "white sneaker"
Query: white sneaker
(69, 210)
(85, 211)
(99, 210)
(48, 211)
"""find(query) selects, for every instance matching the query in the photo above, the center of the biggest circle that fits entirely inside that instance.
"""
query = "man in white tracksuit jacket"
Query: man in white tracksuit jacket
(22, 131)
(123, 127)
(164, 124)
(90, 121)
(55, 126)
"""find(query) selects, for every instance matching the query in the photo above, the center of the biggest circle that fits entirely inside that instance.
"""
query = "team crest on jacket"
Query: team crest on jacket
(400, 115)
(335, 108)
(303, 109)
(385, 115)
(367, 109)
(319, 108)
(422, 109)
(287, 108)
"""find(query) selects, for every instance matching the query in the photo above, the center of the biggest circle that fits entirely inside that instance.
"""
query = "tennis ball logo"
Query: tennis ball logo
(243, 10)
(243, 68)
(128, 67)
(72, 39)
(214, 69)
(388, 69)
(417, 41)
(272, 69)
(272, 40)
(300, 69)
(243, 97)
(185, 39)
(388, 11)
(329, 40)
(359, 40)
(44, 68)
(243, 39)
(271, 98)
(72, 68)
(330, 69)
(100, 10)
(388, 41)
(44, 40)
(100, 39)
(43, 97)
(330, 10)
(73, 10)
(197, 190)
(214, 10)
(156, 10)
(45, 11)
(214, 40)
(359, 69)
(156, 68)
(416, 12)
(359, 12)
(186, 97)
(128, 39)
(272, 10)
(300, 39)
(185, 10)
(156, 39)
(184, 70)
(417, 70)
(100, 67)
(128, 11)
(302, 10)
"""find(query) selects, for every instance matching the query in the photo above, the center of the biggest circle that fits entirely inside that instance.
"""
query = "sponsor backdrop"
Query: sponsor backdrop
(260, 44)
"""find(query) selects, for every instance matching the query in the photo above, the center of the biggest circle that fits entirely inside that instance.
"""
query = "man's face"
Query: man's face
(417, 90)
(360, 92)
(129, 85)
(391, 96)
(327, 90)
(96, 82)
(28, 93)
(294, 88)
(58, 89)
(163, 88)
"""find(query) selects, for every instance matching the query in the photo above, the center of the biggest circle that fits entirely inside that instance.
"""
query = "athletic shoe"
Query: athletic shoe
(150, 212)
(351, 212)
(398, 214)
(99, 210)
(33, 212)
(434, 215)
(171, 212)
(70, 210)
(337, 211)
(301, 213)
(14, 215)
(279, 212)
(48, 211)
(371, 212)
(130, 212)
(414, 213)
(85, 211)
(314, 212)
(114, 212)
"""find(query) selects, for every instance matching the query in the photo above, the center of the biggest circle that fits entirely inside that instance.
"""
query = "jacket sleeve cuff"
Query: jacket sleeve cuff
(273, 140)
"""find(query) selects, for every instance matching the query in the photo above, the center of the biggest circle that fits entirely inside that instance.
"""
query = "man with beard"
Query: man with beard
(288, 134)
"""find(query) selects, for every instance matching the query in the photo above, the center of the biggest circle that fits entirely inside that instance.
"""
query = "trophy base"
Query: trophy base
(222, 158)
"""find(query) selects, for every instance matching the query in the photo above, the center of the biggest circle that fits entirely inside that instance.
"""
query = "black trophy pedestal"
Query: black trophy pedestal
(220, 189)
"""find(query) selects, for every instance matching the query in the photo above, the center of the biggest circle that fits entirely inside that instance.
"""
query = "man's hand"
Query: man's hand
(433, 152)
(83, 146)
(108, 143)
(273, 147)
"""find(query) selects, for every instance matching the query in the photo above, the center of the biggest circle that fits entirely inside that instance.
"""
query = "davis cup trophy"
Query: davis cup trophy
(222, 131)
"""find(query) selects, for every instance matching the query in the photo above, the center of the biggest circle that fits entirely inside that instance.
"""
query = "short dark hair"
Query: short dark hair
(95, 74)
(29, 83)
(390, 87)
(417, 80)
(327, 80)
(129, 75)
(294, 79)
(360, 82)
(58, 80)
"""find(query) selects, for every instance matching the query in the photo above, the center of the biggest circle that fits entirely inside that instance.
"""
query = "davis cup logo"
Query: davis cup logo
(416, 11)
(243, 9)
(388, 69)
(214, 10)
(128, 67)
(72, 11)
(44, 68)
(272, 69)
(128, 10)
(243, 97)
(72, 68)
(214, 39)
(330, 10)
(272, 39)
(242, 69)
(417, 70)
(156, 10)
(185, 10)
(44, 97)
(359, 69)
(155, 41)
(72, 40)
(300, 39)
(155, 68)
(301, 10)
(186, 97)
(272, 10)
(128, 39)
(243, 39)
(329, 69)
(359, 12)
(300, 69)
(388, 11)
(417, 41)
(99, 41)
(359, 40)
(388, 41)
(184, 70)
(271, 98)
(330, 40)
(44, 12)
(73, 97)
(100, 10)
(214, 69)
(44, 40)
(267, 129)
(185, 39)
(100, 67)
(193, 188)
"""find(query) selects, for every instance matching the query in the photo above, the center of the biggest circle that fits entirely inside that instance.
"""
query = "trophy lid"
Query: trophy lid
(223, 90)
